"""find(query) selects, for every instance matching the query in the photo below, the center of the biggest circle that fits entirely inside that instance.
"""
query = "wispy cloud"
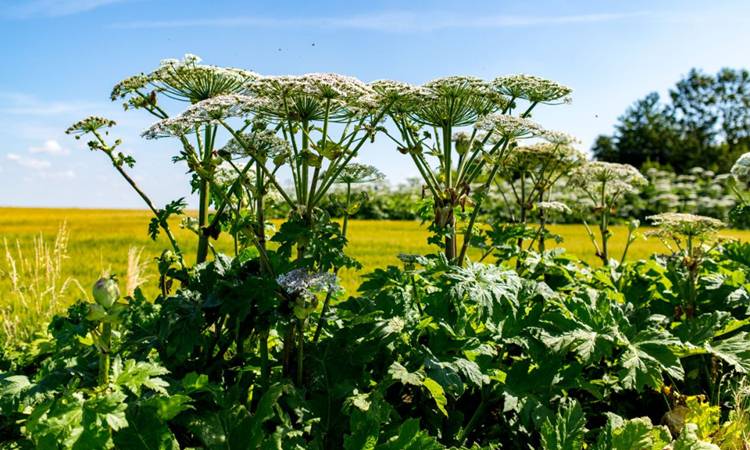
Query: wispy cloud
(50, 147)
(29, 163)
(385, 21)
(52, 8)
(13, 103)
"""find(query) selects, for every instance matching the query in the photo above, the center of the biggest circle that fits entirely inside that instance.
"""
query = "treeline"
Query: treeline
(703, 122)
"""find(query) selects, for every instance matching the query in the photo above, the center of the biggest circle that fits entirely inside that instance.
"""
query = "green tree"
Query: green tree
(705, 122)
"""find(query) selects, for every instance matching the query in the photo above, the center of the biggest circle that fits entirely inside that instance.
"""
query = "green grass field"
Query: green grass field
(99, 241)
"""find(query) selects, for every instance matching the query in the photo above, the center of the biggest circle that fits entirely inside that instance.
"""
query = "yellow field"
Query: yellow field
(99, 241)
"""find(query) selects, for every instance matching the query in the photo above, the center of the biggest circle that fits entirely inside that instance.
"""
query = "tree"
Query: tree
(705, 123)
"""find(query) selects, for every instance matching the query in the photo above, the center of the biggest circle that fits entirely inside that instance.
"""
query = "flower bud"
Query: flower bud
(106, 292)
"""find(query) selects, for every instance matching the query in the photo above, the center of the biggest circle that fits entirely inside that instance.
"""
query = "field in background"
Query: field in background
(99, 241)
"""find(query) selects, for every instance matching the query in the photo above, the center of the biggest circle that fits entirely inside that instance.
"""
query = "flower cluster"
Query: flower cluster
(89, 125)
(545, 156)
(686, 225)
(185, 80)
(741, 168)
(258, 144)
(399, 97)
(209, 111)
(559, 207)
(532, 88)
(509, 127)
(608, 179)
(356, 173)
(303, 283)
(314, 95)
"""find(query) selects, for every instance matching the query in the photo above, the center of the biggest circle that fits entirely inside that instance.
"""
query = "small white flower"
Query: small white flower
(553, 206)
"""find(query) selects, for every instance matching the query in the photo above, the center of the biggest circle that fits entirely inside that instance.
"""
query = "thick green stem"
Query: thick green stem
(259, 206)
(542, 224)
(265, 368)
(204, 197)
(301, 352)
(104, 354)
(329, 294)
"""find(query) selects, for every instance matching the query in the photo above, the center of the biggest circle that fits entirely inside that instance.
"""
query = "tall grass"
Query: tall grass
(37, 285)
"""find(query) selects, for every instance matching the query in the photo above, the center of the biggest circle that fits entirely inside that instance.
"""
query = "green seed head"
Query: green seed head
(106, 292)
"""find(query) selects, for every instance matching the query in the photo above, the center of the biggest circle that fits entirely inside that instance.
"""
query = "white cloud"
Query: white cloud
(29, 163)
(15, 103)
(50, 147)
(401, 21)
(53, 8)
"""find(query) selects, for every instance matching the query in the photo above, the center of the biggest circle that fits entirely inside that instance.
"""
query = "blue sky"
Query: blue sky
(61, 58)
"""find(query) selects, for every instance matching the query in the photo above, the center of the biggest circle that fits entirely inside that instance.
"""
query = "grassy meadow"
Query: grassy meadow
(99, 241)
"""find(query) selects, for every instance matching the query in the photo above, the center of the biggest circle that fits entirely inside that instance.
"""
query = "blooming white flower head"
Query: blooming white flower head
(558, 207)
(188, 80)
(209, 111)
(532, 88)
(399, 97)
(545, 155)
(559, 138)
(312, 96)
(356, 173)
(129, 85)
(301, 282)
(458, 86)
(741, 168)
(259, 144)
(89, 125)
(686, 225)
(509, 127)
(611, 180)
(184, 80)
(457, 101)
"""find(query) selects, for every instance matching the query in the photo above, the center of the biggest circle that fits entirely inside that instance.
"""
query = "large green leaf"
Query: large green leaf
(649, 354)
(566, 430)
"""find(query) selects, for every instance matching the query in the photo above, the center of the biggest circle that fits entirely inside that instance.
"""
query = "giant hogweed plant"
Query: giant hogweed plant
(605, 185)
(186, 81)
(458, 131)
(531, 172)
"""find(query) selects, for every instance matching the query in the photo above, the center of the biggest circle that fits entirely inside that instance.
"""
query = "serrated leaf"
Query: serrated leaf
(566, 430)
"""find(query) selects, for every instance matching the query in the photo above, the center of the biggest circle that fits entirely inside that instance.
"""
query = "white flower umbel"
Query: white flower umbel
(185, 80)
(356, 173)
(532, 88)
(558, 207)
(314, 95)
(260, 144)
(509, 127)
(614, 178)
(209, 111)
(686, 225)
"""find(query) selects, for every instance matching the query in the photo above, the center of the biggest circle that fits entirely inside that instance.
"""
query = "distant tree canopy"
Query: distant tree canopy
(704, 123)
